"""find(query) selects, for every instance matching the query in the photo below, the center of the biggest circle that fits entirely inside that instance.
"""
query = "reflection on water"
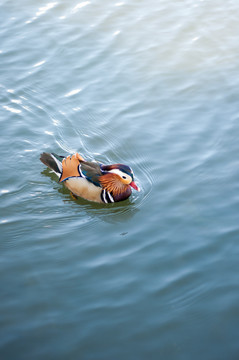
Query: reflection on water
(153, 85)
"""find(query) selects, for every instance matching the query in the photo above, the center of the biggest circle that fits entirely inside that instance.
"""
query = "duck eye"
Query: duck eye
(124, 177)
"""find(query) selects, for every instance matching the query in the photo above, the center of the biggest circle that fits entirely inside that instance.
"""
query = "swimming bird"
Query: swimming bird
(92, 180)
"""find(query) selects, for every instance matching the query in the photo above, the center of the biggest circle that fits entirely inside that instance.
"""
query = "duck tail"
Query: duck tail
(52, 161)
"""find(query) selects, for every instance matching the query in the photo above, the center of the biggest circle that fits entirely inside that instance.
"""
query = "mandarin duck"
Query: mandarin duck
(91, 180)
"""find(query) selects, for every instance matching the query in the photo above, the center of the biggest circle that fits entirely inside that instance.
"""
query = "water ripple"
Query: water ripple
(152, 85)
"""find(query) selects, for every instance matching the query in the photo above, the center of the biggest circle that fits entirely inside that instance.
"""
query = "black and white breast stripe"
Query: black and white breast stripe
(106, 197)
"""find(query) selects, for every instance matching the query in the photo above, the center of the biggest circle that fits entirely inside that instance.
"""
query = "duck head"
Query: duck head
(117, 179)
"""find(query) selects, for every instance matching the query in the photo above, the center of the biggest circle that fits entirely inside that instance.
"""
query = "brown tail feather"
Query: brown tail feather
(50, 162)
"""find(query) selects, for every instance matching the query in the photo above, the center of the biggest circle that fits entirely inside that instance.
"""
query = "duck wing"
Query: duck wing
(91, 171)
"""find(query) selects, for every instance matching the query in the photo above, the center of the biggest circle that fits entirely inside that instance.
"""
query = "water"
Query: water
(152, 84)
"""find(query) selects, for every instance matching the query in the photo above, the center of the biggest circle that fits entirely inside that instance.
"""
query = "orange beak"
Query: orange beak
(134, 186)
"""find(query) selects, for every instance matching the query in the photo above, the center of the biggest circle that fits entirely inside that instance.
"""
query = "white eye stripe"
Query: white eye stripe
(116, 171)
(120, 173)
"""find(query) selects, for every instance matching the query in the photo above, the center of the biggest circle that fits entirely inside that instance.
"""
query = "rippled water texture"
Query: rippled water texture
(154, 85)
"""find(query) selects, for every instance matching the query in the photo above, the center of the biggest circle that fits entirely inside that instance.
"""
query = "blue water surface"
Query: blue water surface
(154, 85)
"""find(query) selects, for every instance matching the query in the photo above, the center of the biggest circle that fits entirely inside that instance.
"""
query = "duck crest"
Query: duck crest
(121, 167)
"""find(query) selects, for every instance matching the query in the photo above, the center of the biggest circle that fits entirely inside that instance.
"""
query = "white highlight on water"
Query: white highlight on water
(39, 63)
(4, 191)
(41, 11)
(116, 33)
(55, 122)
(8, 108)
(73, 92)
(48, 132)
(195, 39)
(44, 9)
(16, 101)
(80, 5)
